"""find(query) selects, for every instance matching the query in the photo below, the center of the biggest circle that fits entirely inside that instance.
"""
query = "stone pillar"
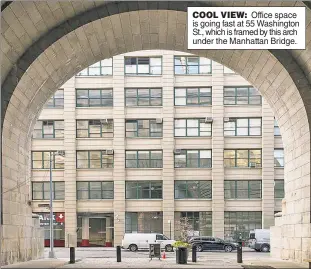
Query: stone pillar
(108, 232)
(267, 166)
(218, 151)
(85, 232)
(70, 164)
(168, 172)
(119, 148)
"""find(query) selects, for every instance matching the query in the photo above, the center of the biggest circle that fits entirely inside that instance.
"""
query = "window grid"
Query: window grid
(139, 63)
(252, 97)
(140, 162)
(200, 128)
(102, 97)
(143, 97)
(84, 129)
(94, 190)
(193, 96)
(56, 132)
(144, 222)
(277, 131)
(92, 162)
(190, 189)
(279, 189)
(140, 130)
(101, 68)
(42, 189)
(191, 65)
(251, 162)
(278, 157)
(233, 190)
(240, 223)
(138, 190)
(41, 160)
(188, 162)
(56, 101)
(234, 131)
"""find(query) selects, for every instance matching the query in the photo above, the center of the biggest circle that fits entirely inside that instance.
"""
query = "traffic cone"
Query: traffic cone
(163, 255)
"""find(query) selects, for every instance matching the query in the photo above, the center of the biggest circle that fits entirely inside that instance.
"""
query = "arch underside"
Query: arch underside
(282, 77)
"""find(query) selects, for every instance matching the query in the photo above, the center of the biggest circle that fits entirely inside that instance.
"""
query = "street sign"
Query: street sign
(60, 217)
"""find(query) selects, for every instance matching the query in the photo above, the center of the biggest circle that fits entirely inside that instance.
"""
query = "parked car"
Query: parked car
(136, 241)
(212, 243)
(259, 239)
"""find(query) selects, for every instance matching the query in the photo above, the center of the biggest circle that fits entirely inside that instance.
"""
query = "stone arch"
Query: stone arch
(283, 82)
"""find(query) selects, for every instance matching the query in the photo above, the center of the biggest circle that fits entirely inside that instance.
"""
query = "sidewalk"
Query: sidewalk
(41, 263)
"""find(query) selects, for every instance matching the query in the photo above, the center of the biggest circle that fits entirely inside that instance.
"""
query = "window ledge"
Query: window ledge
(241, 136)
(57, 139)
(142, 75)
(193, 199)
(192, 137)
(144, 199)
(279, 167)
(243, 167)
(93, 138)
(243, 105)
(93, 107)
(193, 75)
(143, 107)
(87, 200)
(96, 76)
(95, 169)
(44, 200)
(184, 168)
(144, 137)
(244, 199)
(47, 169)
(139, 168)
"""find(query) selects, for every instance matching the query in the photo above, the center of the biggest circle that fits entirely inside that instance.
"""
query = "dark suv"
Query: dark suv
(212, 243)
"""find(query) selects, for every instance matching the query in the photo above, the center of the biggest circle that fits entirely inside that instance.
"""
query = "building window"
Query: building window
(193, 96)
(241, 96)
(94, 159)
(228, 70)
(56, 101)
(242, 157)
(41, 191)
(94, 128)
(143, 97)
(192, 127)
(41, 160)
(49, 129)
(190, 189)
(197, 223)
(277, 131)
(143, 190)
(101, 68)
(242, 189)
(242, 127)
(94, 190)
(143, 128)
(187, 158)
(143, 222)
(240, 223)
(278, 157)
(192, 65)
(279, 189)
(143, 65)
(143, 159)
(94, 98)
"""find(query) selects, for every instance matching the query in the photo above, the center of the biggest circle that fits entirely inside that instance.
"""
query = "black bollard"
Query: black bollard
(194, 254)
(118, 254)
(239, 252)
(72, 255)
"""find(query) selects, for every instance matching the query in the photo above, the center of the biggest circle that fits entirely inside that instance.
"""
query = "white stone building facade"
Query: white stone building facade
(151, 137)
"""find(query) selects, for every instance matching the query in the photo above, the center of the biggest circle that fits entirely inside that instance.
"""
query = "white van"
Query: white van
(259, 239)
(135, 241)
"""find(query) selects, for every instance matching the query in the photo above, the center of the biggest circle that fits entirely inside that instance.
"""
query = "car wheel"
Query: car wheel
(265, 248)
(228, 248)
(169, 248)
(133, 248)
(199, 248)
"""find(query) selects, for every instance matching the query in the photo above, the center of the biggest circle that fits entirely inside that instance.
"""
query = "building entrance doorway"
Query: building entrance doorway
(95, 229)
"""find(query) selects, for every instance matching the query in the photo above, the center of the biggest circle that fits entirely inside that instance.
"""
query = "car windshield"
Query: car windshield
(165, 238)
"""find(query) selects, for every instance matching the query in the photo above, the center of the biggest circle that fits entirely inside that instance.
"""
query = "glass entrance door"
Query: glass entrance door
(97, 232)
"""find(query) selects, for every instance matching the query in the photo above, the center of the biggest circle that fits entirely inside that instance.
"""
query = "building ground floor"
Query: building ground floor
(98, 229)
